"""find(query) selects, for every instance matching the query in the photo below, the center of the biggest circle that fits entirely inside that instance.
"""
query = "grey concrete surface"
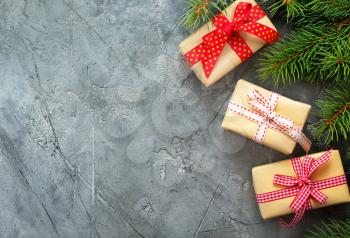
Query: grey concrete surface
(105, 132)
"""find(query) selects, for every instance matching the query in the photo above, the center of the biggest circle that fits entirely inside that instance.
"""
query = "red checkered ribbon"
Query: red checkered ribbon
(263, 113)
(244, 20)
(301, 186)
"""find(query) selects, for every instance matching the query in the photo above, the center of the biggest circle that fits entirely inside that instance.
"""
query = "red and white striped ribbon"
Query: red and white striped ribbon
(301, 187)
(263, 112)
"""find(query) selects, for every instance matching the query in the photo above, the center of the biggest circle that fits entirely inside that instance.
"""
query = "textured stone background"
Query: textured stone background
(105, 131)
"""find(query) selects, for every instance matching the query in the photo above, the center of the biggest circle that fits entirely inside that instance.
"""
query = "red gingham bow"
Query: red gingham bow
(301, 187)
(245, 20)
(264, 114)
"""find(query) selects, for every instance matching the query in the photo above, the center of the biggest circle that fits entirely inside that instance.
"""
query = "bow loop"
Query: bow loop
(241, 17)
(245, 19)
(320, 161)
(261, 104)
(256, 96)
(303, 170)
(263, 112)
(307, 164)
(285, 180)
(266, 108)
(301, 187)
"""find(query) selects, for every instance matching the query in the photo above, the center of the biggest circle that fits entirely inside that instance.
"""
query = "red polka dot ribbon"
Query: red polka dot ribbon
(245, 20)
(263, 112)
(302, 187)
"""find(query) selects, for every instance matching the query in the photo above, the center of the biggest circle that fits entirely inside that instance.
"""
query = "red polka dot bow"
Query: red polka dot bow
(245, 20)
(302, 187)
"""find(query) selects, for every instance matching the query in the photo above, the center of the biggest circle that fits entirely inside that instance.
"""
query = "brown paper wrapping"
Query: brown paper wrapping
(263, 177)
(228, 58)
(291, 109)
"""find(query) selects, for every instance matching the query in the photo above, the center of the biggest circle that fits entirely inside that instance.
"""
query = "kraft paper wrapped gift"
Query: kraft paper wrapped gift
(230, 58)
(293, 110)
(263, 177)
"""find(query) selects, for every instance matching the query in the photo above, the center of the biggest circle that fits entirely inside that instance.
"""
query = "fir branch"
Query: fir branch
(343, 23)
(295, 8)
(335, 61)
(290, 58)
(331, 9)
(317, 52)
(198, 12)
(290, 8)
(333, 228)
(334, 114)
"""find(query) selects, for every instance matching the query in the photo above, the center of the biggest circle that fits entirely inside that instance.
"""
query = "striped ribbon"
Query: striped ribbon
(302, 187)
(263, 113)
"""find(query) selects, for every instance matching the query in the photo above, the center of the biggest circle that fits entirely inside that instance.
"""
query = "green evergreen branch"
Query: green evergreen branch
(335, 62)
(198, 12)
(333, 228)
(331, 9)
(317, 52)
(290, 58)
(334, 114)
(291, 9)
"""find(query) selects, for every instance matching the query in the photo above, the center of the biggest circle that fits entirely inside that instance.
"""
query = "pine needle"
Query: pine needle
(334, 114)
(199, 12)
(296, 55)
(330, 9)
(291, 8)
(318, 50)
(332, 228)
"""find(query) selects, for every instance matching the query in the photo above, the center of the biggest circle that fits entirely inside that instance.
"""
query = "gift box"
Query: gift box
(307, 182)
(266, 117)
(232, 37)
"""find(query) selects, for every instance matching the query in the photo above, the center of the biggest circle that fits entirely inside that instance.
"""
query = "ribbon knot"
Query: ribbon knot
(230, 27)
(263, 112)
(245, 19)
(304, 182)
(271, 116)
(265, 107)
(301, 186)
(306, 189)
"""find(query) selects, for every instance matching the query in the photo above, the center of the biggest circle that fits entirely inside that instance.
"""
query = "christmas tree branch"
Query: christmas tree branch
(331, 9)
(314, 53)
(334, 114)
(198, 12)
(332, 228)
(290, 8)
(291, 58)
(344, 22)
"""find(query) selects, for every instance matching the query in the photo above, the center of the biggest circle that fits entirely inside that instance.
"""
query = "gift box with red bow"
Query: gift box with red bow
(231, 38)
(300, 184)
(267, 118)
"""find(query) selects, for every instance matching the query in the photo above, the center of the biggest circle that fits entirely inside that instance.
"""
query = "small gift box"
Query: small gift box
(299, 184)
(266, 117)
(231, 38)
